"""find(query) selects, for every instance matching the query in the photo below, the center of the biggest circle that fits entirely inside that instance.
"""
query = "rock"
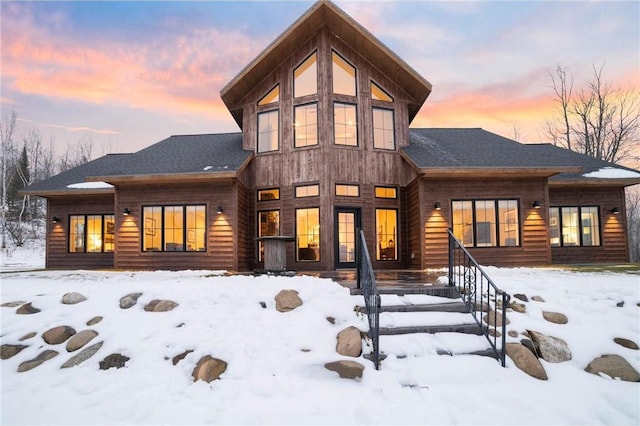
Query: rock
(629, 344)
(518, 307)
(264, 305)
(512, 333)
(73, 298)
(531, 346)
(13, 304)
(27, 309)
(113, 360)
(494, 333)
(57, 335)
(28, 336)
(538, 299)
(94, 320)
(346, 369)
(33, 363)
(287, 300)
(80, 339)
(7, 351)
(129, 300)
(526, 361)
(331, 320)
(483, 307)
(551, 349)
(620, 304)
(157, 305)
(613, 366)
(555, 317)
(82, 356)
(494, 320)
(176, 359)
(209, 369)
(521, 296)
(349, 342)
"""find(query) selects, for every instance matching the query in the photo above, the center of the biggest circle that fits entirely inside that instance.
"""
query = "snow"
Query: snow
(90, 185)
(612, 173)
(271, 380)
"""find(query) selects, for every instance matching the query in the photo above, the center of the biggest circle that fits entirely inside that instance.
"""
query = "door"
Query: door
(347, 222)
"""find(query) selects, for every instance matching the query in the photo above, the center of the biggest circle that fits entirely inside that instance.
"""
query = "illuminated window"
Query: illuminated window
(268, 225)
(386, 234)
(268, 194)
(386, 192)
(345, 124)
(486, 223)
(271, 97)
(347, 190)
(383, 132)
(574, 226)
(308, 234)
(305, 78)
(463, 222)
(174, 228)
(268, 131)
(307, 191)
(91, 233)
(344, 76)
(305, 125)
(377, 94)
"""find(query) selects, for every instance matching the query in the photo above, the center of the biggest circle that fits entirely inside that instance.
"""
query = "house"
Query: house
(325, 148)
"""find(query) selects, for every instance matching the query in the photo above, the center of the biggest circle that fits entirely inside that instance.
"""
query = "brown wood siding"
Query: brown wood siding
(58, 255)
(243, 245)
(614, 246)
(415, 236)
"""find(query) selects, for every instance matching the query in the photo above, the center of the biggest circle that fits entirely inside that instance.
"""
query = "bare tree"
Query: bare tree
(560, 129)
(633, 222)
(7, 133)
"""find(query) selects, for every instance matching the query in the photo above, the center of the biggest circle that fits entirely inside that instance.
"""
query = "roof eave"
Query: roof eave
(624, 182)
(164, 177)
(45, 193)
(495, 171)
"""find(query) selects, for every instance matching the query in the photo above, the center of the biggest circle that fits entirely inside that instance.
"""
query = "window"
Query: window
(268, 225)
(344, 76)
(268, 131)
(386, 192)
(345, 124)
(268, 194)
(347, 190)
(386, 234)
(308, 234)
(383, 133)
(574, 226)
(305, 125)
(307, 191)
(271, 97)
(174, 228)
(377, 94)
(93, 233)
(486, 223)
(305, 78)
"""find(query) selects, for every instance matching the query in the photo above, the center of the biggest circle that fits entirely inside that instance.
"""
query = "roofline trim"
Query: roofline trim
(595, 182)
(163, 177)
(67, 191)
(457, 171)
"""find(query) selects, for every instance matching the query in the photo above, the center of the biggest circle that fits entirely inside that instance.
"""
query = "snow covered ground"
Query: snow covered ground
(276, 360)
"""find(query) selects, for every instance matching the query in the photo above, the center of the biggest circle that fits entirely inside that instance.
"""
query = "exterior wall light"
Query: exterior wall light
(126, 212)
(615, 210)
(220, 210)
(535, 204)
(437, 206)
(55, 219)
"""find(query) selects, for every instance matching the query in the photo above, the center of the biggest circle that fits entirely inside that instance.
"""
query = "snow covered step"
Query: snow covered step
(415, 345)
(427, 322)
(433, 307)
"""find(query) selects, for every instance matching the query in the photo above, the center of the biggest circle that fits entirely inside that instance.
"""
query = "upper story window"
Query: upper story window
(305, 125)
(383, 129)
(268, 131)
(271, 97)
(386, 192)
(305, 77)
(486, 223)
(268, 194)
(344, 76)
(574, 226)
(93, 233)
(377, 94)
(345, 124)
(303, 191)
(347, 190)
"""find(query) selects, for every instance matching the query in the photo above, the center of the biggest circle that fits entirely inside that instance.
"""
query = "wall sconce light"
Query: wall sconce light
(437, 206)
(220, 210)
(55, 219)
(615, 210)
(126, 212)
(535, 204)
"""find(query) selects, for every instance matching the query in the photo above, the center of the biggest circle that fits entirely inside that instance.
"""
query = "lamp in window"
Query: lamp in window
(535, 204)
(437, 206)
(220, 210)
(55, 219)
(615, 210)
(126, 212)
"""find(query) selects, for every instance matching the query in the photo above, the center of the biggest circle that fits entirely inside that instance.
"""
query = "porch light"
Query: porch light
(437, 206)
(220, 210)
(535, 204)
(126, 212)
(55, 219)
(615, 210)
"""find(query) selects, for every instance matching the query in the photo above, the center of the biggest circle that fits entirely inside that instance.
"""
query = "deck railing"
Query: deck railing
(366, 280)
(484, 300)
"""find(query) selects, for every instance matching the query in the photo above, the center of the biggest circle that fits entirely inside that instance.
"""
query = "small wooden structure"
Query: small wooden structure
(275, 252)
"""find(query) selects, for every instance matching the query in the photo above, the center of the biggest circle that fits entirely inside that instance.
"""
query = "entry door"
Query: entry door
(347, 221)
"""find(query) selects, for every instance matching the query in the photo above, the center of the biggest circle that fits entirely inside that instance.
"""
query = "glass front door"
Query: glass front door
(347, 222)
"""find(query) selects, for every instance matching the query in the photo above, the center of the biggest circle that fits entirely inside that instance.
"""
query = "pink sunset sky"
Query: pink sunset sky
(129, 74)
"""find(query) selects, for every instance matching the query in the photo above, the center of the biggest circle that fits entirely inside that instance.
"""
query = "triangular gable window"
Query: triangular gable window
(271, 97)
(378, 94)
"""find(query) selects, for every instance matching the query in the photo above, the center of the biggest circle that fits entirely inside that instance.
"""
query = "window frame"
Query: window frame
(394, 240)
(495, 229)
(260, 245)
(85, 233)
(580, 228)
(266, 191)
(265, 113)
(384, 130)
(379, 87)
(307, 186)
(347, 186)
(318, 242)
(304, 61)
(162, 228)
(295, 125)
(333, 75)
(385, 188)
(355, 124)
(261, 101)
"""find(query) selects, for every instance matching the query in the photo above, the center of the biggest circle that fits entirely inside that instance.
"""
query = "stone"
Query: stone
(157, 305)
(494, 333)
(531, 346)
(538, 299)
(113, 361)
(80, 339)
(349, 342)
(264, 305)
(73, 298)
(94, 320)
(27, 309)
(7, 351)
(28, 336)
(346, 369)
(331, 320)
(526, 361)
(555, 317)
(551, 349)
(13, 304)
(82, 356)
(287, 300)
(522, 297)
(129, 300)
(613, 366)
(620, 304)
(33, 363)
(57, 335)
(629, 344)
(494, 320)
(512, 333)
(518, 307)
(176, 359)
(209, 369)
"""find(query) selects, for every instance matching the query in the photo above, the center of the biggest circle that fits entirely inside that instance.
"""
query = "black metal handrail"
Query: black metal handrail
(366, 280)
(484, 300)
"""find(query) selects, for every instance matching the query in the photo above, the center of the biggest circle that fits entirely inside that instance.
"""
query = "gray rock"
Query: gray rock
(512, 333)
(73, 298)
(531, 346)
(28, 336)
(94, 320)
(538, 299)
(57, 335)
(13, 304)
(209, 369)
(176, 359)
(620, 304)
(287, 300)
(264, 305)
(33, 363)
(8, 351)
(82, 356)
(615, 367)
(551, 349)
(331, 320)
(629, 344)
(157, 305)
(494, 320)
(346, 369)
(27, 309)
(80, 339)
(555, 317)
(113, 361)
(526, 361)
(349, 342)
(521, 296)
(129, 300)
